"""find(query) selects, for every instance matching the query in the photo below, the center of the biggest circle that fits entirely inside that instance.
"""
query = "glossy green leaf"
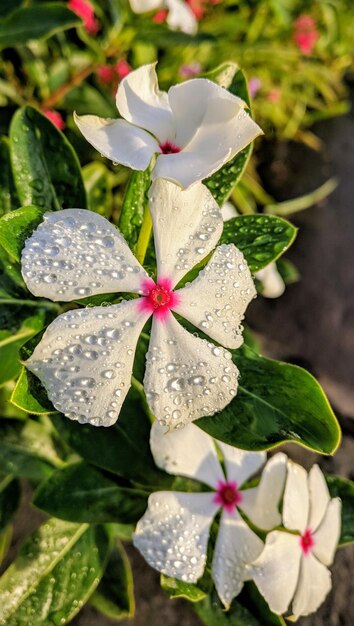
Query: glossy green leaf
(212, 613)
(27, 449)
(81, 493)
(98, 189)
(114, 596)
(56, 571)
(17, 226)
(8, 200)
(344, 489)
(10, 492)
(29, 395)
(11, 343)
(35, 22)
(135, 199)
(275, 402)
(46, 169)
(179, 589)
(262, 239)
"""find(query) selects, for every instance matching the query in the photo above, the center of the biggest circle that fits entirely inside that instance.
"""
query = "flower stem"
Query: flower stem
(144, 236)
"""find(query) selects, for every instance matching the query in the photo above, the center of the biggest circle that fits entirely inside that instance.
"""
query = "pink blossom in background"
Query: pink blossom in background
(160, 16)
(190, 70)
(122, 68)
(85, 10)
(254, 85)
(274, 95)
(197, 6)
(105, 73)
(305, 34)
(55, 118)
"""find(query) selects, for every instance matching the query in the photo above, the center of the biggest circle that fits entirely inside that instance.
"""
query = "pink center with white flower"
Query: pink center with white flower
(169, 148)
(228, 495)
(158, 297)
(307, 541)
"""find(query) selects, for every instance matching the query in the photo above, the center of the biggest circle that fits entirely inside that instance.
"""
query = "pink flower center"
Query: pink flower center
(169, 148)
(307, 541)
(158, 297)
(228, 495)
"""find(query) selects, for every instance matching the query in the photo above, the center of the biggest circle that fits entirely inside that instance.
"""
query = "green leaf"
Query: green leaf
(122, 449)
(11, 343)
(27, 449)
(7, 6)
(56, 571)
(344, 489)
(29, 395)
(97, 184)
(35, 22)
(10, 492)
(17, 226)
(179, 589)
(46, 169)
(81, 493)
(7, 186)
(275, 402)
(135, 199)
(114, 596)
(211, 613)
(5, 541)
(261, 239)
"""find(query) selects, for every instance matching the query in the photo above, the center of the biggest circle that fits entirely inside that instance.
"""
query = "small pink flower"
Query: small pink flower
(254, 85)
(160, 16)
(85, 10)
(105, 73)
(122, 68)
(55, 118)
(274, 95)
(197, 7)
(305, 34)
(190, 70)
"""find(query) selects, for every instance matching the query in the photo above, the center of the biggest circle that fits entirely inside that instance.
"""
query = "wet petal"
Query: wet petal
(296, 498)
(118, 140)
(76, 253)
(276, 571)
(261, 503)
(140, 102)
(181, 17)
(187, 226)
(185, 375)
(319, 497)
(236, 545)
(314, 584)
(173, 534)
(272, 283)
(240, 465)
(188, 452)
(85, 361)
(327, 535)
(215, 302)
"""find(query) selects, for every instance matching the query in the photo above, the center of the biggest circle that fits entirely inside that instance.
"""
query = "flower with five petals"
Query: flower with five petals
(194, 129)
(85, 357)
(173, 533)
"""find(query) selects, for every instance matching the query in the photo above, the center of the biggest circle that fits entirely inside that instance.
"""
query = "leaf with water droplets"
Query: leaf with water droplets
(17, 226)
(179, 589)
(114, 596)
(134, 203)
(344, 489)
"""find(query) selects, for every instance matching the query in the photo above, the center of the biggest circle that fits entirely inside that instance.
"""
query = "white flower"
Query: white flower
(292, 567)
(173, 533)
(85, 357)
(194, 128)
(179, 16)
(272, 283)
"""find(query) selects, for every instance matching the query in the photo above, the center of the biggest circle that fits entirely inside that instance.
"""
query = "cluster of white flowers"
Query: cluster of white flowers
(179, 15)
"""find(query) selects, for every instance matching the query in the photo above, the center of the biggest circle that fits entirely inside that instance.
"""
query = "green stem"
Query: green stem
(140, 388)
(32, 303)
(144, 236)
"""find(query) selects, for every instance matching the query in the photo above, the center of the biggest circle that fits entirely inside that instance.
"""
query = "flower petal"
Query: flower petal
(140, 102)
(184, 375)
(173, 534)
(142, 6)
(181, 17)
(240, 465)
(75, 253)
(296, 498)
(272, 283)
(118, 140)
(327, 535)
(314, 584)
(188, 452)
(215, 302)
(236, 545)
(187, 226)
(261, 503)
(276, 571)
(319, 497)
(85, 361)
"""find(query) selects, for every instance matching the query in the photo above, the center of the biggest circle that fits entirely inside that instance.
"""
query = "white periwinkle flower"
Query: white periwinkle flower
(179, 17)
(173, 533)
(85, 357)
(292, 567)
(194, 128)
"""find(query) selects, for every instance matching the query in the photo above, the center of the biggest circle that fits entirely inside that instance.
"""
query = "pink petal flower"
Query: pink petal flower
(55, 118)
(85, 10)
(122, 68)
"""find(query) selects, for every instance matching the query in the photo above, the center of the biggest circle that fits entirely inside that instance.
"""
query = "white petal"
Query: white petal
(215, 302)
(140, 102)
(261, 504)
(187, 226)
(327, 535)
(296, 498)
(240, 465)
(276, 571)
(85, 360)
(236, 545)
(188, 452)
(272, 282)
(181, 17)
(76, 253)
(228, 211)
(319, 497)
(142, 6)
(173, 534)
(118, 140)
(184, 375)
(314, 584)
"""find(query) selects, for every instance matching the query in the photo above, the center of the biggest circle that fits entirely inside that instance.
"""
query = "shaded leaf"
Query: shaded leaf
(114, 596)
(35, 22)
(179, 589)
(11, 343)
(10, 492)
(344, 489)
(17, 226)
(98, 188)
(212, 613)
(8, 200)
(29, 395)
